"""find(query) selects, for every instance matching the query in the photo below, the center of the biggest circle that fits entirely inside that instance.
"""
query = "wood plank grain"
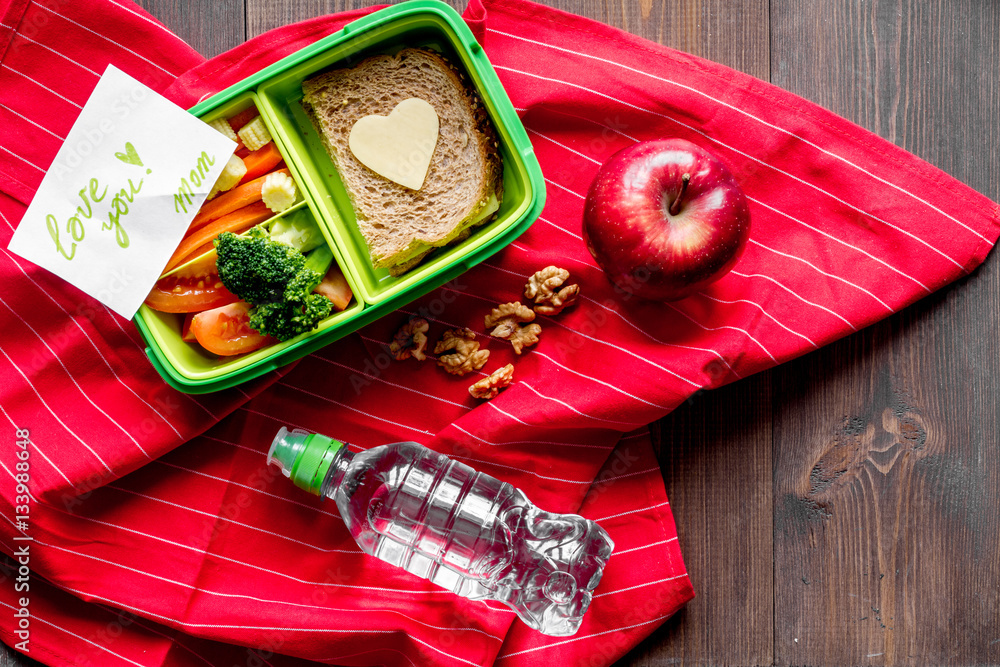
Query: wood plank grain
(263, 15)
(887, 454)
(210, 26)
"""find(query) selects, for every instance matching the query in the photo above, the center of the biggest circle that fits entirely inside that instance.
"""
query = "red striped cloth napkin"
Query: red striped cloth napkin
(159, 554)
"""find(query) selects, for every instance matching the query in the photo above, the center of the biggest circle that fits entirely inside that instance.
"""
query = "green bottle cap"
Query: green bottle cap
(304, 457)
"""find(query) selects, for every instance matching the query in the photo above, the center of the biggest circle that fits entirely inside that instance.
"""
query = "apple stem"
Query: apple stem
(675, 207)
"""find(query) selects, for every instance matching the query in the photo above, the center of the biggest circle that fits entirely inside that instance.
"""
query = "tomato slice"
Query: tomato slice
(186, 334)
(192, 289)
(335, 288)
(226, 330)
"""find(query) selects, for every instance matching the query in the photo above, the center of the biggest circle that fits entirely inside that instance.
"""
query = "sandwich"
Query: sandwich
(463, 186)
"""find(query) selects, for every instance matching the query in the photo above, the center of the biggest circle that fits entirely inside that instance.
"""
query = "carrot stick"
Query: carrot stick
(236, 222)
(227, 202)
(243, 117)
(261, 161)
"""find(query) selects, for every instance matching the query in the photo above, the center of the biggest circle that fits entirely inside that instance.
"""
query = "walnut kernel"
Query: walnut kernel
(491, 385)
(506, 320)
(410, 340)
(547, 290)
(459, 352)
(525, 336)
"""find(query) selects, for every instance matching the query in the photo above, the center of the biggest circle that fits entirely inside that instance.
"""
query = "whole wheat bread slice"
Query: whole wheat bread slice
(399, 223)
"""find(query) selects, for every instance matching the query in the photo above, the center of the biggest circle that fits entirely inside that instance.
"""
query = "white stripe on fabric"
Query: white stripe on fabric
(39, 84)
(362, 412)
(259, 568)
(319, 510)
(282, 421)
(600, 480)
(749, 115)
(61, 55)
(73, 379)
(578, 638)
(338, 658)
(766, 314)
(579, 412)
(635, 511)
(819, 270)
(642, 585)
(435, 648)
(842, 242)
(638, 108)
(243, 596)
(724, 326)
(22, 159)
(92, 343)
(189, 397)
(105, 38)
(218, 517)
(561, 229)
(561, 145)
(38, 618)
(531, 442)
(626, 351)
(795, 294)
(589, 265)
(394, 384)
(52, 412)
(606, 384)
(28, 120)
(186, 624)
(644, 546)
(563, 187)
(35, 445)
(521, 470)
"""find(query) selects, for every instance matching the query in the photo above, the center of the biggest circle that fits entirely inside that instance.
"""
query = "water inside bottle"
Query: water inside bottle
(463, 530)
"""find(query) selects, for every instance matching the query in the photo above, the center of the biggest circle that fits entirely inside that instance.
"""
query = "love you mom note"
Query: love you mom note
(121, 192)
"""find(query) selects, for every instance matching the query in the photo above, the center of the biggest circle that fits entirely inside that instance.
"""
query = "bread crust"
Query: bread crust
(398, 223)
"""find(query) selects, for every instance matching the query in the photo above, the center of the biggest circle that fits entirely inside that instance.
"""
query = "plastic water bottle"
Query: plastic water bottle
(461, 529)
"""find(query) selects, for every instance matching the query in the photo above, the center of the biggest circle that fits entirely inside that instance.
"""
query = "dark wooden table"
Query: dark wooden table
(844, 508)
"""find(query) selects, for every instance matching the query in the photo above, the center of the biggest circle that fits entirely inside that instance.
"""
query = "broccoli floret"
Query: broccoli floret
(288, 319)
(277, 280)
(255, 268)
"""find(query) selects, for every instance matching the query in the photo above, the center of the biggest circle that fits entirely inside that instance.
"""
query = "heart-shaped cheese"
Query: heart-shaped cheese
(398, 146)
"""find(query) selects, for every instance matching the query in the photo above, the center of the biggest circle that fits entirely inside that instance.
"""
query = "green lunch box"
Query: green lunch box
(277, 91)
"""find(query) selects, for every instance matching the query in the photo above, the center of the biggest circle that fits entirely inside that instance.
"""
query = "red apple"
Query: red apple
(664, 219)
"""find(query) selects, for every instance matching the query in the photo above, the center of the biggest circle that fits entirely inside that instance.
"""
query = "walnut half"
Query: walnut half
(410, 340)
(491, 385)
(506, 319)
(546, 288)
(459, 352)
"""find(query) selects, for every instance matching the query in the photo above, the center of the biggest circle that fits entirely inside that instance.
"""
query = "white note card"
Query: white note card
(117, 200)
